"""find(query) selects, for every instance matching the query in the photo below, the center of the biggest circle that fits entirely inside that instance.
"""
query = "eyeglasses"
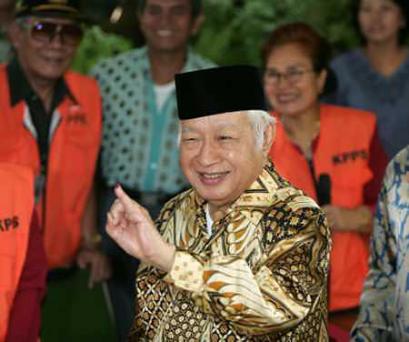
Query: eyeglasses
(45, 32)
(292, 76)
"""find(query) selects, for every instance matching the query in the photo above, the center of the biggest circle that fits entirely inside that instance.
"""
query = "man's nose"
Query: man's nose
(377, 14)
(165, 18)
(208, 154)
(56, 40)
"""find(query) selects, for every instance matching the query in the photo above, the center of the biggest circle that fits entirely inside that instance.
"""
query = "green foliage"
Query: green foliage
(235, 35)
(97, 45)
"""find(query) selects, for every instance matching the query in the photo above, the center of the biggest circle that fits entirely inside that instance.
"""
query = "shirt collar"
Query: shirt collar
(262, 190)
(188, 65)
(21, 90)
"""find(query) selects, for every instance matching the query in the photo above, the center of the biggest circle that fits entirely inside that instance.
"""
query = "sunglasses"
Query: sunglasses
(45, 32)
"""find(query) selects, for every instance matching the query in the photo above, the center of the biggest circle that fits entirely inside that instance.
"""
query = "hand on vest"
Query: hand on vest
(131, 227)
(343, 219)
(98, 263)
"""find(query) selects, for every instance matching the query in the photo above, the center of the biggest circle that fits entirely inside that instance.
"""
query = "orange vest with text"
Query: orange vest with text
(16, 209)
(72, 156)
(342, 152)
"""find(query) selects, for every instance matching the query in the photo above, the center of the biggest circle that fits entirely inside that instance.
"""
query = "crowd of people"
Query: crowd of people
(227, 203)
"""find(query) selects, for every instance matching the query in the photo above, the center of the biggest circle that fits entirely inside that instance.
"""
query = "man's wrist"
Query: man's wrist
(167, 257)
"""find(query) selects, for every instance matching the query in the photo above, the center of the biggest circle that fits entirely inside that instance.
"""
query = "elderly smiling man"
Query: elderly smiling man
(242, 256)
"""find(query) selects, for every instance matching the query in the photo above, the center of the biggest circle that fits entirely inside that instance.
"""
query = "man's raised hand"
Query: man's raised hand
(131, 227)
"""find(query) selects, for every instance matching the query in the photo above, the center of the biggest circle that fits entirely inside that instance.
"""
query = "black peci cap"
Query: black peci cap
(219, 90)
(49, 8)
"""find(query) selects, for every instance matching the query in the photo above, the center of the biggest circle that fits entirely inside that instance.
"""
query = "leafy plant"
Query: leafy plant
(234, 33)
(97, 45)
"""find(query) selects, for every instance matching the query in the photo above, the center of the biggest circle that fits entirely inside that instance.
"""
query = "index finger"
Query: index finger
(129, 205)
(123, 197)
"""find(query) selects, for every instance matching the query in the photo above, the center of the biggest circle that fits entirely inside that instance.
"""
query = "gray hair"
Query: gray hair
(259, 120)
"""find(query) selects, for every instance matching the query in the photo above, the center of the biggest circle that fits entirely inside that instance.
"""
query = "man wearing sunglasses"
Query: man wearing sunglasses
(50, 120)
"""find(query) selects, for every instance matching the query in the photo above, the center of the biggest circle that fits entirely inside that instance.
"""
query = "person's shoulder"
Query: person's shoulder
(198, 61)
(343, 60)
(105, 67)
(345, 113)
(400, 161)
(293, 200)
(292, 212)
(396, 180)
(76, 79)
(283, 193)
(288, 203)
(175, 203)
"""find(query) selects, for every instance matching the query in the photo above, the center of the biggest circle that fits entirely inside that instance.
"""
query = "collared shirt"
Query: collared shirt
(384, 313)
(37, 120)
(139, 148)
(260, 275)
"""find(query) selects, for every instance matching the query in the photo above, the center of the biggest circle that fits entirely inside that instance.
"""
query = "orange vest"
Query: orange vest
(16, 209)
(71, 161)
(342, 152)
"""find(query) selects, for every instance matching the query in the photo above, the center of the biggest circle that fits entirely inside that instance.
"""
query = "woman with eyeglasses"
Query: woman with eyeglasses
(375, 76)
(332, 153)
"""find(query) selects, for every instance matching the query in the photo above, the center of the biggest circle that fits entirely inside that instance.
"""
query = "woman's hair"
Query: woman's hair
(404, 8)
(314, 45)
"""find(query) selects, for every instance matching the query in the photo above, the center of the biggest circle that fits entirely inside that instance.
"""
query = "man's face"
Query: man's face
(41, 55)
(168, 24)
(219, 156)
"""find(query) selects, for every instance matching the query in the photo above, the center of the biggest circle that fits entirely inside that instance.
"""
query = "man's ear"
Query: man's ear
(14, 33)
(269, 136)
(197, 23)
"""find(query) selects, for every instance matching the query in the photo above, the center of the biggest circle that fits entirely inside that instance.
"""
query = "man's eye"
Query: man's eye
(386, 8)
(189, 139)
(225, 137)
(180, 10)
(295, 73)
(272, 74)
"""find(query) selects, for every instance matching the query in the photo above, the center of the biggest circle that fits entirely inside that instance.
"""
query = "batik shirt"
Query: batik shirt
(384, 314)
(260, 276)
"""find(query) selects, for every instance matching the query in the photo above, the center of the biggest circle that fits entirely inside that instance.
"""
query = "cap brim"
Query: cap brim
(76, 16)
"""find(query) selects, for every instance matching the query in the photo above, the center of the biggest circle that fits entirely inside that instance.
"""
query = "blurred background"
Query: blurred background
(232, 32)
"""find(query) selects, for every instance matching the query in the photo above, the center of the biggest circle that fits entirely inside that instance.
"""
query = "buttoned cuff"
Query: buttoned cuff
(186, 272)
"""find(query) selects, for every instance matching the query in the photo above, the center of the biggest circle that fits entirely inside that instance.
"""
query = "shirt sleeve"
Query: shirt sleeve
(25, 315)
(278, 294)
(376, 317)
(378, 161)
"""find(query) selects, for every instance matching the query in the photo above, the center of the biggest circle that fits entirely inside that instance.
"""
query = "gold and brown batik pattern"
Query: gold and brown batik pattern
(261, 275)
